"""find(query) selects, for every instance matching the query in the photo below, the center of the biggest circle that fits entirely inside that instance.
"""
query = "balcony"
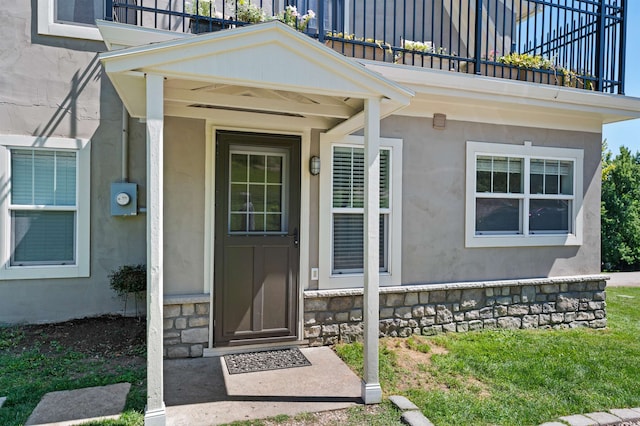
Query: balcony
(571, 43)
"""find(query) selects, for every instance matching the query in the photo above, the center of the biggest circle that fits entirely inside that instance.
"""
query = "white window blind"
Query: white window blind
(348, 209)
(43, 207)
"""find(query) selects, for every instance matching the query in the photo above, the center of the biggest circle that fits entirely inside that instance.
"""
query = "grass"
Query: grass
(27, 373)
(523, 377)
(526, 376)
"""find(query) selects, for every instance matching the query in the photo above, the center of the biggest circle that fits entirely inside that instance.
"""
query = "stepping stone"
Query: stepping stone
(80, 404)
(402, 403)
(2, 400)
(415, 418)
(578, 420)
(553, 424)
(626, 414)
(604, 419)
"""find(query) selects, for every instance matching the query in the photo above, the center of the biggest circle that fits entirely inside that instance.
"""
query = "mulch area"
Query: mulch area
(100, 337)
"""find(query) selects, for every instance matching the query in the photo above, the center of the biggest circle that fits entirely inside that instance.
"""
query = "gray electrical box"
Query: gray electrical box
(124, 199)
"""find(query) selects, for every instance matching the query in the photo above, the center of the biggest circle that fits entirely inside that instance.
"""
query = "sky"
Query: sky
(627, 133)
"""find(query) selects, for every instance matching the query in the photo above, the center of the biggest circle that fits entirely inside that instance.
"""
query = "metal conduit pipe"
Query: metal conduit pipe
(125, 144)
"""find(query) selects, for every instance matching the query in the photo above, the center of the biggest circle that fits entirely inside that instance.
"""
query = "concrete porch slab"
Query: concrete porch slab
(200, 391)
(80, 405)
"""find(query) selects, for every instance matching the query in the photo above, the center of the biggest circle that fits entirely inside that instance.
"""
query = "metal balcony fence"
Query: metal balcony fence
(575, 43)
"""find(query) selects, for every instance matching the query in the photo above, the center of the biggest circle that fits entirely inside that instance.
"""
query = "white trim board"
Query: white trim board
(48, 26)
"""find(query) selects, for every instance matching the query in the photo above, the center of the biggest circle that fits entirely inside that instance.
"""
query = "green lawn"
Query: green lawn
(524, 377)
(31, 367)
(476, 378)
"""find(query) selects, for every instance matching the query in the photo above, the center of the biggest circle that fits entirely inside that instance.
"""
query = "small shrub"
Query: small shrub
(129, 279)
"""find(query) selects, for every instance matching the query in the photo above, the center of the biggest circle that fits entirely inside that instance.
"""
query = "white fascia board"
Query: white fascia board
(119, 36)
(356, 122)
(607, 107)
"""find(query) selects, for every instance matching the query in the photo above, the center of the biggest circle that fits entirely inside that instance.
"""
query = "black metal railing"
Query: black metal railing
(576, 43)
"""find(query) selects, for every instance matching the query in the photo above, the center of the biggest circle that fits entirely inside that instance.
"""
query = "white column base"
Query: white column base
(157, 417)
(371, 393)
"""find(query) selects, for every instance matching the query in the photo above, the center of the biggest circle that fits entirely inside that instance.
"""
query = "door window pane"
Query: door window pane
(257, 168)
(239, 167)
(274, 169)
(256, 188)
(274, 222)
(497, 215)
(274, 198)
(256, 197)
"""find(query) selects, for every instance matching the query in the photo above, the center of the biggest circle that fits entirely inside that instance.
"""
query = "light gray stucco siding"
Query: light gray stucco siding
(52, 86)
(434, 205)
(184, 178)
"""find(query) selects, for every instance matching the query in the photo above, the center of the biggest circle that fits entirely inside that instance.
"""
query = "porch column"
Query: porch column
(155, 413)
(371, 390)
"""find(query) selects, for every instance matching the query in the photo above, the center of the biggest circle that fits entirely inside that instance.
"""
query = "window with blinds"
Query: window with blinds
(347, 194)
(43, 207)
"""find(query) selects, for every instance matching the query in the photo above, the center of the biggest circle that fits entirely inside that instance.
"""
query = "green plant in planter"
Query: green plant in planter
(525, 60)
(571, 78)
(247, 12)
(379, 43)
(200, 7)
(127, 280)
(292, 18)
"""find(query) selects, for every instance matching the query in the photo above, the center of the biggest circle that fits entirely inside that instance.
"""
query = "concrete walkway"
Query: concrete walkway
(624, 279)
(64, 408)
(200, 391)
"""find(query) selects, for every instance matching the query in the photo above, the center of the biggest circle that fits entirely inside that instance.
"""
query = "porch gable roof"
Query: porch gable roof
(268, 56)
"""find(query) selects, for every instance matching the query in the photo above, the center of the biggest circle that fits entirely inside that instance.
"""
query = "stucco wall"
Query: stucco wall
(434, 205)
(53, 86)
(184, 178)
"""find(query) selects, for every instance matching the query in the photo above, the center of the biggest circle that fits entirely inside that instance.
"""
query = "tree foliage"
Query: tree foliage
(620, 210)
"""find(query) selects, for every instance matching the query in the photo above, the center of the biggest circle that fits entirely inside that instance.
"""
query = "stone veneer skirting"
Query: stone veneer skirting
(186, 325)
(331, 316)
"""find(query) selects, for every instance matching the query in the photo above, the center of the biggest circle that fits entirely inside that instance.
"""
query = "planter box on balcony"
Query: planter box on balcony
(205, 25)
(427, 61)
(521, 74)
(354, 50)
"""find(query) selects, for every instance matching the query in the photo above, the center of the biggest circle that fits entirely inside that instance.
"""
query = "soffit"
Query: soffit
(469, 97)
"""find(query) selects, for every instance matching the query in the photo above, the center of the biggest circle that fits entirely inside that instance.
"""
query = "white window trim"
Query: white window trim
(47, 24)
(82, 147)
(393, 277)
(574, 238)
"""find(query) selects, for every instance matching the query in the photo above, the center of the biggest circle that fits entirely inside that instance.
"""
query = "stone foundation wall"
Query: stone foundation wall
(186, 326)
(331, 316)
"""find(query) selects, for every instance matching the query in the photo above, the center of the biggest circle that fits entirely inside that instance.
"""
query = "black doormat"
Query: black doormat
(265, 360)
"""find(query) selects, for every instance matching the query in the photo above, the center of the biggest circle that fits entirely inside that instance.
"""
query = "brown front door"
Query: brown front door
(257, 227)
